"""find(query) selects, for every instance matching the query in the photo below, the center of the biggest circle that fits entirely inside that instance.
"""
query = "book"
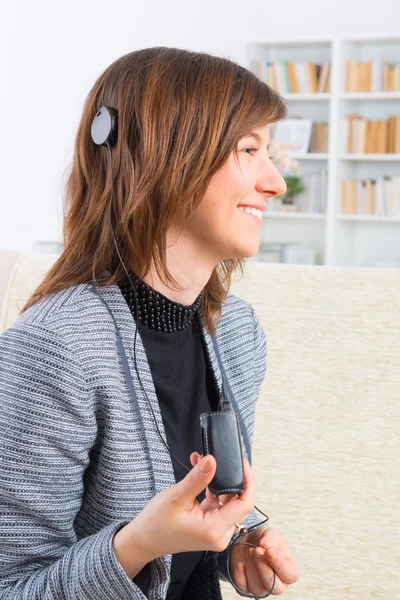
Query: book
(296, 131)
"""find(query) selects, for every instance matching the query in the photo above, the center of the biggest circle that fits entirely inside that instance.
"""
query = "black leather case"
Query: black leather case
(221, 438)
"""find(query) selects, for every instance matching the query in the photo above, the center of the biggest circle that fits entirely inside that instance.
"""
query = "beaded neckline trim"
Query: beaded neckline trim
(155, 310)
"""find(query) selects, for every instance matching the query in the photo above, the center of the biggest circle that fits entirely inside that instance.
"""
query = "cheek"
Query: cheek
(218, 207)
(208, 218)
(222, 199)
(215, 215)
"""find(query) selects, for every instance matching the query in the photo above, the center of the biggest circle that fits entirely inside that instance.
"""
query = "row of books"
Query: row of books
(294, 77)
(365, 136)
(373, 76)
(380, 196)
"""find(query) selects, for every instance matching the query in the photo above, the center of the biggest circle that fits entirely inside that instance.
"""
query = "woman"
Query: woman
(96, 499)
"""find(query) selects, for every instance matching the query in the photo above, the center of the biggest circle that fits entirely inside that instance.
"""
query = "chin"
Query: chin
(246, 250)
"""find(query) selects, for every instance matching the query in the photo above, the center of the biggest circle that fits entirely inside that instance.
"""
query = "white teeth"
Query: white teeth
(251, 211)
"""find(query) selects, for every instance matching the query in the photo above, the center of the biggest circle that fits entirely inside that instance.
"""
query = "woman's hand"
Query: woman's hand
(252, 569)
(174, 521)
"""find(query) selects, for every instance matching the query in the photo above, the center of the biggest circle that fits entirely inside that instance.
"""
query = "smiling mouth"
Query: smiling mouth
(252, 212)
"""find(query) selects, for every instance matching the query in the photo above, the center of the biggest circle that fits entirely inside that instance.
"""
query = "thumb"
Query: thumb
(198, 478)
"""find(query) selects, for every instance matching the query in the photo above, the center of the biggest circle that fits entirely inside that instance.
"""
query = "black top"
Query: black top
(185, 387)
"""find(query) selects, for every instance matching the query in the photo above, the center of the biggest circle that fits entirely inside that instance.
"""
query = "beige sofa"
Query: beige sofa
(326, 450)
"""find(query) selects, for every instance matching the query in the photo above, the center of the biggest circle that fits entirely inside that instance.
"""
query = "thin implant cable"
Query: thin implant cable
(137, 315)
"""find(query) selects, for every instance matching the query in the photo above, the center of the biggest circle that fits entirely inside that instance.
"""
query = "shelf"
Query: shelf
(370, 96)
(370, 157)
(304, 97)
(293, 41)
(311, 156)
(368, 218)
(368, 38)
(353, 239)
(293, 215)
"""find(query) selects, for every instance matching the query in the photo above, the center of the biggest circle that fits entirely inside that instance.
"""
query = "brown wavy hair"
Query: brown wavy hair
(180, 115)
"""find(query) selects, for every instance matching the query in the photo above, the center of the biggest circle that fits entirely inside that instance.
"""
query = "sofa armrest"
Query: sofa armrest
(20, 274)
(8, 259)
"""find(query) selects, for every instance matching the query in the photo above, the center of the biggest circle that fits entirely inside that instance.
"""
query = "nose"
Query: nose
(271, 182)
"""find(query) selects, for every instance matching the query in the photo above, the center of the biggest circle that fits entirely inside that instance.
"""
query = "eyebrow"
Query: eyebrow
(256, 136)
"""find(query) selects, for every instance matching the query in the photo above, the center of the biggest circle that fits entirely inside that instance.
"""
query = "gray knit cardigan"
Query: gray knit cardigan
(77, 461)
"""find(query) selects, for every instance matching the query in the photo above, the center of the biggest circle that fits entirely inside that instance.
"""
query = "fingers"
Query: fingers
(241, 506)
(266, 575)
(239, 577)
(253, 575)
(194, 458)
(235, 508)
(210, 502)
(285, 567)
(249, 485)
(254, 582)
(278, 555)
(197, 479)
(224, 498)
(248, 576)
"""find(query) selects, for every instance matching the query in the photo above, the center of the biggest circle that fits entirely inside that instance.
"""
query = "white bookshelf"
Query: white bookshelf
(337, 239)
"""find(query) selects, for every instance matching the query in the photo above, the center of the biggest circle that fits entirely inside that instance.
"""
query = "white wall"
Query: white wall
(51, 56)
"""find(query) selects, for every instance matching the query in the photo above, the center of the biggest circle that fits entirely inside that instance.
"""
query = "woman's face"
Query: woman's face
(221, 225)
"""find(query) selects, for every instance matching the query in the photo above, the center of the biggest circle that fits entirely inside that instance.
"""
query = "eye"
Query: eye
(250, 149)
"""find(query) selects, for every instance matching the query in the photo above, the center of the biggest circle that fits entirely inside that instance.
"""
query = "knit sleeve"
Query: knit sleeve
(260, 352)
(47, 427)
(260, 369)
